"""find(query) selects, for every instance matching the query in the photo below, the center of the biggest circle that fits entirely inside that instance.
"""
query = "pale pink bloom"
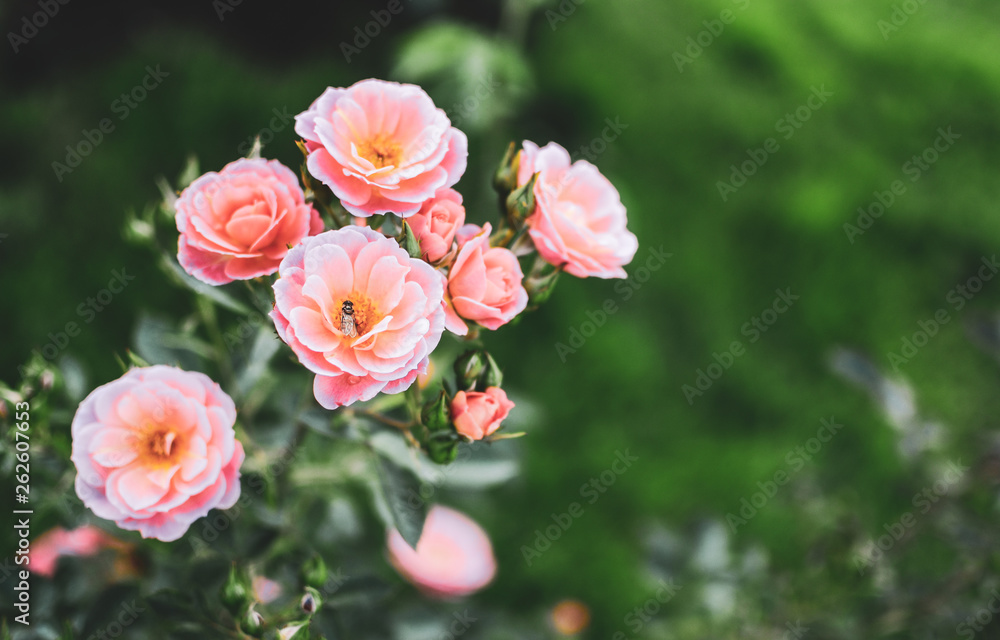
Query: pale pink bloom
(484, 285)
(478, 414)
(454, 557)
(579, 222)
(155, 450)
(381, 146)
(238, 224)
(398, 313)
(265, 590)
(58, 542)
(435, 224)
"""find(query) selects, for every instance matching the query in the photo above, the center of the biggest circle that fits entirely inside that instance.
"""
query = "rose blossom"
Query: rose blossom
(579, 220)
(477, 414)
(435, 225)
(155, 450)
(396, 309)
(58, 542)
(484, 285)
(237, 224)
(381, 146)
(454, 557)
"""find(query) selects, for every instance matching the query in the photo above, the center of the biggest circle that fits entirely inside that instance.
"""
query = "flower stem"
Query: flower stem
(386, 420)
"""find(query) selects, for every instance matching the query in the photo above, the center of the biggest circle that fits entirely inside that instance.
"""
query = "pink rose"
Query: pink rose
(467, 232)
(155, 450)
(436, 223)
(359, 313)
(237, 224)
(381, 146)
(58, 542)
(265, 590)
(484, 285)
(579, 220)
(477, 414)
(454, 557)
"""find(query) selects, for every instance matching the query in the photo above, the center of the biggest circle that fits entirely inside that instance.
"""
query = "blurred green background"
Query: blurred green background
(560, 72)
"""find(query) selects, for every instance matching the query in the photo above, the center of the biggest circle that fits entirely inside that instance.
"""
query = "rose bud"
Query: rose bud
(477, 414)
(437, 222)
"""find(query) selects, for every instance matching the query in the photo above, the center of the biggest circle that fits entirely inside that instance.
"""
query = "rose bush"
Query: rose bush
(362, 308)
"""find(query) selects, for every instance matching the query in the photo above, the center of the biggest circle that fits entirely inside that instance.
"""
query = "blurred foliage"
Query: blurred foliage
(622, 389)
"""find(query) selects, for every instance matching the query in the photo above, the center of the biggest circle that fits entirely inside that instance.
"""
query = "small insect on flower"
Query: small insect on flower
(347, 319)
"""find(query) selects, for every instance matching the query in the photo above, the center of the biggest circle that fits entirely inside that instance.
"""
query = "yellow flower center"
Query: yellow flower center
(381, 151)
(159, 446)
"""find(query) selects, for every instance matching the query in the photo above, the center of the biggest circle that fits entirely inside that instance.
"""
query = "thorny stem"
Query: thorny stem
(386, 420)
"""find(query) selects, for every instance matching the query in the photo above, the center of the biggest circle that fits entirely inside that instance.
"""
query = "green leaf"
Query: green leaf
(399, 486)
(409, 241)
(362, 592)
(435, 414)
(189, 173)
(265, 345)
(157, 342)
(215, 294)
(171, 603)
